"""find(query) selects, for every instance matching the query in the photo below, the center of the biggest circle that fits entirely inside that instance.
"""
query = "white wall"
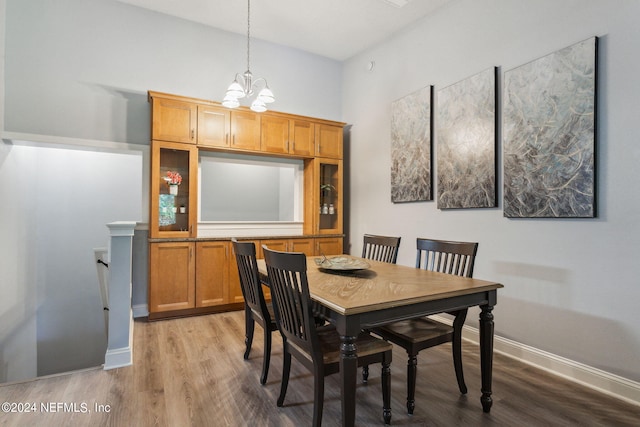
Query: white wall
(571, 286)
(77, 72)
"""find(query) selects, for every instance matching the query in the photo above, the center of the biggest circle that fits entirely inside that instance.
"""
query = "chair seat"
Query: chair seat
(260, 318)
(366, 344)
(415, 331)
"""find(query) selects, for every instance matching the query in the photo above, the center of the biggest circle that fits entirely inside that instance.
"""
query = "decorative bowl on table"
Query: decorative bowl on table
(342, 263)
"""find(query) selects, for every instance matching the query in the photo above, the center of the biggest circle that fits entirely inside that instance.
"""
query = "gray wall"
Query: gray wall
(571, 286)
(77, 72)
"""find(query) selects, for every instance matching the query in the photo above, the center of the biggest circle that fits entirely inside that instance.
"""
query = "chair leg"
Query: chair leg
(318, 395)
(411, 383)
(386, 389)
(249, 327)
(365, 374)
(456, 346)
(267, 356)
(286, 369)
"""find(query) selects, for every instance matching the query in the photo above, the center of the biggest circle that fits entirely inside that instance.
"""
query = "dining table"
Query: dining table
(375, 293)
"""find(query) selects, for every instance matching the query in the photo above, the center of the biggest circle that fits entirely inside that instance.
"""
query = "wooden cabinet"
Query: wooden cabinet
(329, 246)
(282, 135)
(328, 141)
(274, 134)
(245, 130)
(329, 190)
(173, 121)
(302, 137)
(214, 126)
(305, 246)
(171, 276)
(189, 275)
(173, 208)
(212, 273)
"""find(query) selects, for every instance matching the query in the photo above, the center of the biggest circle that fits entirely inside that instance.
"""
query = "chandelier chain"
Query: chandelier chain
(244, 85)
(248, 31)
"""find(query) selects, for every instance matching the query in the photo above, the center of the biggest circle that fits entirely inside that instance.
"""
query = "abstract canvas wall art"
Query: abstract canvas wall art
(411, 130)
(466, 143)
(549, 135)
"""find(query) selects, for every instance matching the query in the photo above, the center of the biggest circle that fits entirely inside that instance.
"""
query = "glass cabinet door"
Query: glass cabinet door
(330, 196)
(173, 190)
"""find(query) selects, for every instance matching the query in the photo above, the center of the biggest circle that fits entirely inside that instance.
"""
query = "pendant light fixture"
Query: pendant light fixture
(244, 85)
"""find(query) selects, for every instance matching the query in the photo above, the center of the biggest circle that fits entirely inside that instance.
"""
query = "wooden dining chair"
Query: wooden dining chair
(256, 309)
(316, 347)
(381, 248)
(415, 335)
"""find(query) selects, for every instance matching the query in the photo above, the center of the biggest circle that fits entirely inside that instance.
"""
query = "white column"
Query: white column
(120, 340)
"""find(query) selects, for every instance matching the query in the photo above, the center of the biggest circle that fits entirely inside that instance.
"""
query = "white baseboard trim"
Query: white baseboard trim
(123, 356)
(594, 378)
(140, 310)
(118, 358)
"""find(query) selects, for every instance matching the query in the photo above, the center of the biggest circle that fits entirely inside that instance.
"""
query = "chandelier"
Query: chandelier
(244, 85)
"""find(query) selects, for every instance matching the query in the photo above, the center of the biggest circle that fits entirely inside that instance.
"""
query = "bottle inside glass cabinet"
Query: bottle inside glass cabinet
(329, 197)
(173, 190)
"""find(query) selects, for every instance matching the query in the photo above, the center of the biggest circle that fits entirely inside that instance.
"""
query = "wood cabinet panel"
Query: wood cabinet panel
(274, 134)
(329, 246)
(301, 137)
(171, 276)
(212, 273)
(245, 130)
(305, 246)
(174, 121)
(328, 141)
(214, 126)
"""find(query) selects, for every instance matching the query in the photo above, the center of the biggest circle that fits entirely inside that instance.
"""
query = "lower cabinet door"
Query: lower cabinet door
(329, 246)
(302, 245)
(171, 276)
(212, 273)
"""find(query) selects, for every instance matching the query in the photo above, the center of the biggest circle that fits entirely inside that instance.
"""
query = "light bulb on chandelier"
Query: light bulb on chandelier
(244, 86)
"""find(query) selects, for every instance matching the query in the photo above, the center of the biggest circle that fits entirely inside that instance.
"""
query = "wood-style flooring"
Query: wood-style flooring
(190, 372)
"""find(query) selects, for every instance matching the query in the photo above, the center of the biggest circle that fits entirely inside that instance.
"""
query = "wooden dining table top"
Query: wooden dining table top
(382, 286)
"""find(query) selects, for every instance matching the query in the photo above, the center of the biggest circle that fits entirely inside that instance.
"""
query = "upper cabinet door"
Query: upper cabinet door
(274, 135)
(245, 130)
(174, 121)
(214, 126)
(301, 137)
(328, 141)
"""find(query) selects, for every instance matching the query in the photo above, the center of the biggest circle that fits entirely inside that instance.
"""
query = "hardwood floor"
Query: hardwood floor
(190, 372)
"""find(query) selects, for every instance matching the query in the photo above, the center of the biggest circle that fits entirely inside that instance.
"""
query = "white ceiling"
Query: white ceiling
(336, 29)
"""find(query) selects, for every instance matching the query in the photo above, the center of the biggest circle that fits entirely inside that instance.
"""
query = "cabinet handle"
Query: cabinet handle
(226, 139)
(287, 145)
(233, 139)
(193, 133)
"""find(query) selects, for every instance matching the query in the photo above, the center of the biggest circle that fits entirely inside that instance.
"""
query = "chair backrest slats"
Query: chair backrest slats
(249, 279)
(291, 299)
(381, 248)
(446, 256)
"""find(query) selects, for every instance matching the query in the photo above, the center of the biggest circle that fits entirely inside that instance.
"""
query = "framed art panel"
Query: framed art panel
(549, 135)
(411, 131)
(466, 146)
